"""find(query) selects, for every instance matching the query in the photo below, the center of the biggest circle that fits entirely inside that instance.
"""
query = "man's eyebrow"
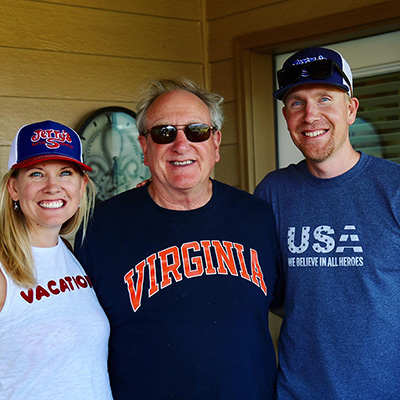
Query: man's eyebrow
(291, 97)
(317, 93)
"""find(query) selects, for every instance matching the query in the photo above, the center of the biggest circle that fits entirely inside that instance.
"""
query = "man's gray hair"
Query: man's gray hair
(158, 87)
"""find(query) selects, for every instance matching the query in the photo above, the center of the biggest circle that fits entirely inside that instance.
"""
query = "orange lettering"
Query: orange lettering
(168, 268)
(154, 288)
(210, 269)
(243, 270)
(187, 261)
(257, 275)
(225, 257)
(135, 296)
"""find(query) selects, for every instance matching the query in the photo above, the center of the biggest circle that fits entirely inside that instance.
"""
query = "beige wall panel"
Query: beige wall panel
(4, 154)
(183, 9)
(229, 129)
(227, 170)
(217, 9)
(223, 30)
(222, 76)
(46, 26)
(27, 73)
(16, 112)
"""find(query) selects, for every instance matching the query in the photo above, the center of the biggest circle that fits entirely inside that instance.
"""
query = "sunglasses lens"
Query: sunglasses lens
(320, 69)
(289, 75)
(163, 134)
(197, 132)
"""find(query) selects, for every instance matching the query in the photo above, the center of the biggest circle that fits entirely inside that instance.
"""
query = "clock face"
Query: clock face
(110, 146)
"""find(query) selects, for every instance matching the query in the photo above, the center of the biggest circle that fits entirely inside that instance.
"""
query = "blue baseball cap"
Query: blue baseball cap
(333, 71)
(46, 140)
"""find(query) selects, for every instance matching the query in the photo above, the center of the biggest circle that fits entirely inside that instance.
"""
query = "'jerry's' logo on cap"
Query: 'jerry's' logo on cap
(52, 137)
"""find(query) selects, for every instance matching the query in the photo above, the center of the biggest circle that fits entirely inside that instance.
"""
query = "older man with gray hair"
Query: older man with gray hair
(185, 266)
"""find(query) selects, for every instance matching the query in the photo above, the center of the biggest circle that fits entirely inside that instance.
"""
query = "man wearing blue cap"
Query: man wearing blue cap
(337, 216)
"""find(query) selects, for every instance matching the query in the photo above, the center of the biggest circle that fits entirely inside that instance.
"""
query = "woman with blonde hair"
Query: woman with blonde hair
(53, 332)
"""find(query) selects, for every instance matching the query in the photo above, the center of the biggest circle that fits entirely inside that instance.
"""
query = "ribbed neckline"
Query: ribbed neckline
(167, 213)
(348, 176)
(47, 249)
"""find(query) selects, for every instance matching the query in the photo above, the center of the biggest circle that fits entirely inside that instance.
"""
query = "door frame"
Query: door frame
(253, 58)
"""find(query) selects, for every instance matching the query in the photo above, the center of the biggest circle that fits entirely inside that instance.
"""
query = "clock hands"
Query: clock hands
(115, 173)
(112, 143)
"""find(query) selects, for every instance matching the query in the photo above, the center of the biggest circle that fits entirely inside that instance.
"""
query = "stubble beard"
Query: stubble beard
(312, 153)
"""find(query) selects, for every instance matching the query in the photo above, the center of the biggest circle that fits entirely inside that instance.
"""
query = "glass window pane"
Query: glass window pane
(376, 130)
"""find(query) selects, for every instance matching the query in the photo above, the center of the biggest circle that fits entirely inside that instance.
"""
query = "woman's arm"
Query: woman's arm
(3, 289)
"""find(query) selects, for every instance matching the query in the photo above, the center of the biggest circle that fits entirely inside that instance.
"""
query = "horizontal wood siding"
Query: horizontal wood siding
(64, 59)
(184, 9)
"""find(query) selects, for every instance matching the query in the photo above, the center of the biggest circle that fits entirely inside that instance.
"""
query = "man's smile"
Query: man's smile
(314, 133)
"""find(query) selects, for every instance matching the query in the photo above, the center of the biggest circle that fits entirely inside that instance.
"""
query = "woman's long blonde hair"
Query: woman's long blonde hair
(15, 246)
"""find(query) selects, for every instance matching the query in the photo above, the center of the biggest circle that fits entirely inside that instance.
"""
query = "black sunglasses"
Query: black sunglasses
(319, 69)
(163, 134)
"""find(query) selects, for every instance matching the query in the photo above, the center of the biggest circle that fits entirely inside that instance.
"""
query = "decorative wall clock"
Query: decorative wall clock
(110, 146)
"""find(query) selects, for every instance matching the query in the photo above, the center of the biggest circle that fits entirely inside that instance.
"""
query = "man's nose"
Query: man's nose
(311, 113)
(181, 141)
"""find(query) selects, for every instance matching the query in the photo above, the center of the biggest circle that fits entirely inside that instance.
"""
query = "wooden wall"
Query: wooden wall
(63, 59)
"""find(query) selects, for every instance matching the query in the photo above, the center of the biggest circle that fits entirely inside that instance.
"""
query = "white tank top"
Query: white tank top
(54, 337)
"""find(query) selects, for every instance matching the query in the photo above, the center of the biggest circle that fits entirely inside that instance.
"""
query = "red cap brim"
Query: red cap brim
(47, 157)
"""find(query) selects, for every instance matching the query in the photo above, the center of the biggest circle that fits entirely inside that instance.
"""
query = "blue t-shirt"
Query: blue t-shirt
(187, 294)
(340, 243)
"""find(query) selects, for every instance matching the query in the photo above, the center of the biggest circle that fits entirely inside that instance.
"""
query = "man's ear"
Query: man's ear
(284, 113)
(143, 145)
(353, 107)
(217, 138)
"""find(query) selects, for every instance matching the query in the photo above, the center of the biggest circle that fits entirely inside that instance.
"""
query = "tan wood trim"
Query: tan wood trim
(244, 108)
(204, 41)
(360, 22)
(264, 144)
